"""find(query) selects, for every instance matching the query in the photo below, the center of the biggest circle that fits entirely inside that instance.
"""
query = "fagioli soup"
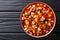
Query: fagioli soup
(38, 19)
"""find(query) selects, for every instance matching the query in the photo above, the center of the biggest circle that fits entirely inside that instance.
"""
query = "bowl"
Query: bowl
(38, 19)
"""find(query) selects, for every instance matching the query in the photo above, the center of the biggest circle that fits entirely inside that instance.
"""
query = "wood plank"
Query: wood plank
(19, 0)
(9, 22)
(18, 5)
(23, 36)
(6, 5)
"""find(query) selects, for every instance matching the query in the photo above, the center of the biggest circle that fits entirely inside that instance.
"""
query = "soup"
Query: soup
(38, 19)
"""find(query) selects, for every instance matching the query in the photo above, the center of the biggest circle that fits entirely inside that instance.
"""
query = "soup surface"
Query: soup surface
(37, 19)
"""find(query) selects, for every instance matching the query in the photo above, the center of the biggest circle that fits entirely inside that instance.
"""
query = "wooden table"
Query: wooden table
(10, 28)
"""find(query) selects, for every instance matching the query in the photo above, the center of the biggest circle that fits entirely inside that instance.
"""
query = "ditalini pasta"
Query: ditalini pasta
(38, 19)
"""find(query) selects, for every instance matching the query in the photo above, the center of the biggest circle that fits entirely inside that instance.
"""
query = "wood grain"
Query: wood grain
(18, 5)
(23, 36)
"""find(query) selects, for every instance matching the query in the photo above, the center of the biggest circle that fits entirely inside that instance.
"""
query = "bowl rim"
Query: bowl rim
(46, 33)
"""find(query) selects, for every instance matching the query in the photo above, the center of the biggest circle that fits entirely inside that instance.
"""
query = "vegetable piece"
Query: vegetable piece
(49, 14)
(33, 22)
(32, 13)
(42, 18)
(44, 25)
(46, 22)
(39, 29)
(26, 22)
(23, 18)
(49, 24)
(38, 11)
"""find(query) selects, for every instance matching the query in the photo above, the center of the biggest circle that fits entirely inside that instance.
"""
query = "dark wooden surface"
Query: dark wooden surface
(10, 28)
